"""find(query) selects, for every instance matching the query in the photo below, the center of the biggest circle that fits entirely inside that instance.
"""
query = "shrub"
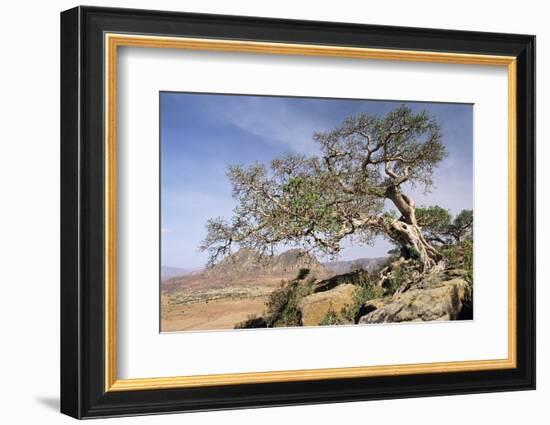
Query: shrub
(302, 274)
(331, 318)
(252, 322)
(397, 278)
(414, 254)
(461, 256)
(282, 304)
(453, 255)
(468, 261)
(366, 290)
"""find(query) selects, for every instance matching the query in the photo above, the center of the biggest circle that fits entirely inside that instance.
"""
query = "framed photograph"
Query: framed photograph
(261, 212)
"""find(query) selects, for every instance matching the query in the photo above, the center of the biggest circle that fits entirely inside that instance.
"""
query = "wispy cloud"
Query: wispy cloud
(282, 124)
(203, 134)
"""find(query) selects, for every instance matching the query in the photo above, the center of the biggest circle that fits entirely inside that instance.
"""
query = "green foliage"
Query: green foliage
(468, 261)
(317, 201)
(282, 305)
(303, 195)
(414, 254)
(434, 216)
(398, 276)
(331, 318)
(302, 274)
(252, 322)
(452, 255)
(435, 222)
(461, 227)
(438, 225)
(365, 290)
(461, 257)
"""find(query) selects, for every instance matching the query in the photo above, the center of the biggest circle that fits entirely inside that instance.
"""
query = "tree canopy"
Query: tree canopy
(439, 227)
(317, 201)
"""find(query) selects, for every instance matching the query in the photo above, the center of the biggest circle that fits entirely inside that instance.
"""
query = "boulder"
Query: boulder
(440, 300)
(314, 307)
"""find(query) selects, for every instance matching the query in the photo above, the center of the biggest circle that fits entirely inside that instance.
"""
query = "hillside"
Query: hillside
(171, 272)
(245, 269)
(232, 290)
(246, 262)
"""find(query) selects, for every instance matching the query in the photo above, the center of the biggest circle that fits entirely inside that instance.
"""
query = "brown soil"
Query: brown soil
(203, 302)
(217, 314)
(212, 301)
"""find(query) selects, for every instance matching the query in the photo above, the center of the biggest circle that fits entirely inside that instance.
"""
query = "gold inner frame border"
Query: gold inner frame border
(112, 41)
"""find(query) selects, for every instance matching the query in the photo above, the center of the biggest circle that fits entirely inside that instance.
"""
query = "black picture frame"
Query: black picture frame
(83, 392)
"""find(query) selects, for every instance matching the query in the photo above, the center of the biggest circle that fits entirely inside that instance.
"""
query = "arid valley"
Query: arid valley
(237, 289)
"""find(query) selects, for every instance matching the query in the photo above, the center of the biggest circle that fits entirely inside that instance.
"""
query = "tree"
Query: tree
(435, 222)
(462, 226)
(317, 201)
(438, 227)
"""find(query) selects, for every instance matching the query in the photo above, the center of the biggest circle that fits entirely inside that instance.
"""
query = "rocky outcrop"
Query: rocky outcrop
(335, 281)
(438, 298)
(440, 295)
(314, 307)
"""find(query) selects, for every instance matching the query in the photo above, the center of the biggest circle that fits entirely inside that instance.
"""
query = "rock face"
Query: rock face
(247, 262)
(314, 307)
(435, 299)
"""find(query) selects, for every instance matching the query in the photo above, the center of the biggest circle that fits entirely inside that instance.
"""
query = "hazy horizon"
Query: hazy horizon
(202, 134)
(322, 261)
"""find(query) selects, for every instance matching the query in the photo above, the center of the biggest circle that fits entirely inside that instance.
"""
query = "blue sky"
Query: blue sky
(201, 134)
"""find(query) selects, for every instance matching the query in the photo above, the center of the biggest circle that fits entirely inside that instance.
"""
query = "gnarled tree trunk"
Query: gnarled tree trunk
(413, 245)
(406, 232)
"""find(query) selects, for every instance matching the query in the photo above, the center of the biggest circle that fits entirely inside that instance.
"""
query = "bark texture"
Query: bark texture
(407, 234)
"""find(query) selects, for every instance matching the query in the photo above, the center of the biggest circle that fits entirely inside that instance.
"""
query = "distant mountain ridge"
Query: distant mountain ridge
(340, 267)
(167, 272)
(285, 265)
(247, 264)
